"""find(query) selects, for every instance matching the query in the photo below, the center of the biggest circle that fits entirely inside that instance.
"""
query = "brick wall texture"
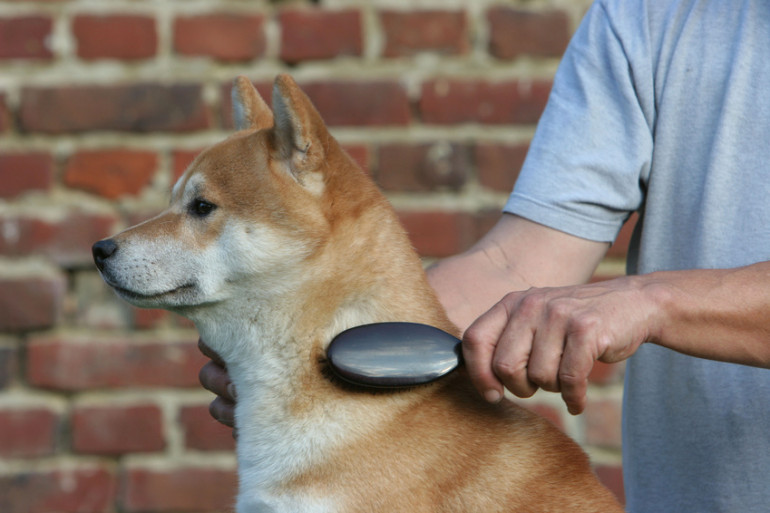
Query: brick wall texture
(103, 104)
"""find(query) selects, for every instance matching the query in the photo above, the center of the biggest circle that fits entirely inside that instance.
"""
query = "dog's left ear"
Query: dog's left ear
(249, 109)
(300, 135)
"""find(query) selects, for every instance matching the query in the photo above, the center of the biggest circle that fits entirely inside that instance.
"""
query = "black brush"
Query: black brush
(393, 354)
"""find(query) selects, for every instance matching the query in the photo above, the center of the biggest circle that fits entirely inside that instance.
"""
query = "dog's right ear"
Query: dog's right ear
(249, 109)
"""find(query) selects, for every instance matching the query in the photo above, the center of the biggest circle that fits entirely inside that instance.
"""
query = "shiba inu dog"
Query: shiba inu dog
(275, 242)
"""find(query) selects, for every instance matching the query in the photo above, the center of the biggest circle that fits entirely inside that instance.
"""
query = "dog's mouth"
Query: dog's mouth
(138, 297)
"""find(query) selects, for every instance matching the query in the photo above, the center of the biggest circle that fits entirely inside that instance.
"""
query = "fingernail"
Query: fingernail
(231, 391)
(492, 396)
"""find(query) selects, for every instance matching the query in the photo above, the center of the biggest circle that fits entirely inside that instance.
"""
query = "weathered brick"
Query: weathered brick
(80, 490)
(344, 103)
(109, 430)
(28, 432)
(187, 489)
(24, 172)
(121, 36)
(180, 160)
(515, 32)
(368, 103)
(422, 167)
(9, 364)
(111, 173)
(453, 101)
(66, 241)
(25, 37)
(5, 115)
(603, 423)
(498, 165)
(619, 248)
(30, 303)
(311, 34)
(223, 36)
(360, 154)
(80, 363)
(411, 32)
(202, 432)
(611, 476)
(606, 373)
(438, 233)
(143, 107)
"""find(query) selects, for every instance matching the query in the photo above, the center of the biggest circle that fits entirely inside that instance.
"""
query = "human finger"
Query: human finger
(576, 365)
(223, 411)
(214, 377)
(548, 345)
(478, 346)
(210, 353)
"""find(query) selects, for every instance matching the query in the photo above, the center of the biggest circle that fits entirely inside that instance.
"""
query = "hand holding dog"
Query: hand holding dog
(214, 378)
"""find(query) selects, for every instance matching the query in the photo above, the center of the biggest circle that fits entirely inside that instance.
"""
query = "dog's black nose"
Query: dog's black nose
(103, 250)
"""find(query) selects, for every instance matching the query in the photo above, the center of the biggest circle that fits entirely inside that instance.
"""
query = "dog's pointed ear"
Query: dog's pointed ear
(249, 109)
(300, 135)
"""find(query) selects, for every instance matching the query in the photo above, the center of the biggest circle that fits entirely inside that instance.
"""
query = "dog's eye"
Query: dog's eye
(201, 208)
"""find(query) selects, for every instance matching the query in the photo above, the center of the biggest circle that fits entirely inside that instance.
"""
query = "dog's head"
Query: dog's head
(245, 214)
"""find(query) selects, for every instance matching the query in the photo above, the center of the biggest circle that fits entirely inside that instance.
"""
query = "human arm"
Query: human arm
(550, 337)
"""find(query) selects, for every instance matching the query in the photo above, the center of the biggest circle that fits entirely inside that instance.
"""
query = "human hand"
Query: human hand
(550, 338)
(213, 376)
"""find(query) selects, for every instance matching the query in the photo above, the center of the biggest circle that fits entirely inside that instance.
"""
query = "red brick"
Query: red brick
(423, 167)
(121, 36)
(28, 432)
(23, 172)
(149, 318)
(202, 432)
(111, 173)
(452, 101)
(80, 490)
(411, 32)
(181, 159)
(345, 103)
(109, 430)
(25, 37)
(125, 108)
(607, 373)
(619, 248)
(360, 154)
(439, 234)
(66, 241)
(603, 423)
(30, 303)
(553, 415)
(311, 34)
(9, 365)
(515, 32)
(189, 489)
(92, 362)
(498, 165)
(223, 36)
(5, 115)
(611, 476)
(370, 103)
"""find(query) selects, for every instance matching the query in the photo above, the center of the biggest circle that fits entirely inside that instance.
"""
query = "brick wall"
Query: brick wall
(103, 104)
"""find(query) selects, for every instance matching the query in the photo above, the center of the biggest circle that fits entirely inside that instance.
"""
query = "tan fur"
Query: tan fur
(436, 448)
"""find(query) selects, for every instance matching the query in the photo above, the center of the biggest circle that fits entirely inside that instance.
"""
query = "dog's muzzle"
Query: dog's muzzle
(103, 250)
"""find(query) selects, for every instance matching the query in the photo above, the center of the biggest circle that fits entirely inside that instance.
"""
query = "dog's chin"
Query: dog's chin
(179, 297)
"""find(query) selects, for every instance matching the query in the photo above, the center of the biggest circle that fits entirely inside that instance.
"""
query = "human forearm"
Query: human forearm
(721, 314)
(515, 255)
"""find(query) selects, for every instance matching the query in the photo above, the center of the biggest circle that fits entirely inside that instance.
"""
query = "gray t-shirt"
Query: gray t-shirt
(663, 107)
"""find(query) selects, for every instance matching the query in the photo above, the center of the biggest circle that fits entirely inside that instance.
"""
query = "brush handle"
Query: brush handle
(393, 354)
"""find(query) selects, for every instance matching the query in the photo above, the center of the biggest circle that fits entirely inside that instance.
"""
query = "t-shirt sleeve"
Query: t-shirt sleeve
(591, 153)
